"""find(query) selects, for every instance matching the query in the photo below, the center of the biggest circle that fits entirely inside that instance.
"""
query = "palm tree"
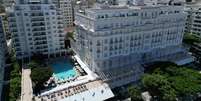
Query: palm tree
(69, 36)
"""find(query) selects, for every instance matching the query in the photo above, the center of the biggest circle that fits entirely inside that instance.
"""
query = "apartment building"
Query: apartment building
(193, 23)
(66, 8)
(2, 54)
(5, 25)
(8, 3)
(36, 27)
(115, 41)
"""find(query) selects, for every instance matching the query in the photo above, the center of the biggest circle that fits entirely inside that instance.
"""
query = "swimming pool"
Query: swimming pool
(63, 69)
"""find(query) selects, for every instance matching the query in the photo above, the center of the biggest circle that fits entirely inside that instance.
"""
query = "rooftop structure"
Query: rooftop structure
(36, 27)
(115, 40)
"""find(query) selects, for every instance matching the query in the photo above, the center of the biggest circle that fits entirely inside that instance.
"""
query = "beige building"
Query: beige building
(66, 8)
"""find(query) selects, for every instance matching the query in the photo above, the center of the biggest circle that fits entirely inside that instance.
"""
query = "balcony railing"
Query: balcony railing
(38, 24)
(39, 34)
(37, 14)
(35, 7)
(39, 29)
(40, 43)
(37, 19)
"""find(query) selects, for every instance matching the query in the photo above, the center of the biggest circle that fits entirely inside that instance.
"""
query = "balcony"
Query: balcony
(15, 35)
(18, 49)
(52, 7)
(41, 47)
(60, 27)
(37, 14)
(16, 45)
(41, 43)
(60, 31)
(61, 35)
(59, 18)
(61, 40)
(37, 20)
(40, 38)
(39, 29)
(14, 30)
(35, 8)
(39, 34)
(60, 22)
(13, 25)
(12, 20)
(11, 15)
(58, 13)
(38, 24)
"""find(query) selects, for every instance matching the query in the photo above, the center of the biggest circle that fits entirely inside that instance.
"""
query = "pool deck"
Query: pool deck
(82, 79)
(91, 74)
(96, 86)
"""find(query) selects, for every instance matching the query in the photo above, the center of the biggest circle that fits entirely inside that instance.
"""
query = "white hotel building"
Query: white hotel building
(36, 27)
(114, 41)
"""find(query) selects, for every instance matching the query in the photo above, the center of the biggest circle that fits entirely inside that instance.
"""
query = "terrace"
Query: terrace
(91, 91)
(74, 81)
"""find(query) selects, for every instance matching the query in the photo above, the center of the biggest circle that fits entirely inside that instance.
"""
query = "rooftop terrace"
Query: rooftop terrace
(91, 91)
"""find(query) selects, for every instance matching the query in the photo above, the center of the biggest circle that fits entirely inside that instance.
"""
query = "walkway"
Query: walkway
(26, 90)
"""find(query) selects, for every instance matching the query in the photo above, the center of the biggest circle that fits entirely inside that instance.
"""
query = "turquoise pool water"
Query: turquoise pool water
(63, 69)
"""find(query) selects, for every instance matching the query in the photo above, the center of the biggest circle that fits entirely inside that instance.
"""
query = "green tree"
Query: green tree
(15, 88)
(41, 74)
(191, 38)
(69, 35)
(158, 85)
(15, 70)
(169, 83)
(38, 58)
(33, 64)
(135, 93)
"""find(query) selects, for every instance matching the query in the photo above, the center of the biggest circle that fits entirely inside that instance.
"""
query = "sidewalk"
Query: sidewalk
(26, 89)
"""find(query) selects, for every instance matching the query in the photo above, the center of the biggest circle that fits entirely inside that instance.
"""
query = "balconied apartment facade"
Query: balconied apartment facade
(115, 41)
(66, 8)
(36, 27)
(67, 11)
(193, 23)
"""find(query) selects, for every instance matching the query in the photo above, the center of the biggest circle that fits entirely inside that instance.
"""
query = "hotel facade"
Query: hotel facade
(116, 40)
(36, 27)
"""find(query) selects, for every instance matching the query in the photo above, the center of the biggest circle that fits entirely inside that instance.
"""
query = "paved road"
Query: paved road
(26, 90)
